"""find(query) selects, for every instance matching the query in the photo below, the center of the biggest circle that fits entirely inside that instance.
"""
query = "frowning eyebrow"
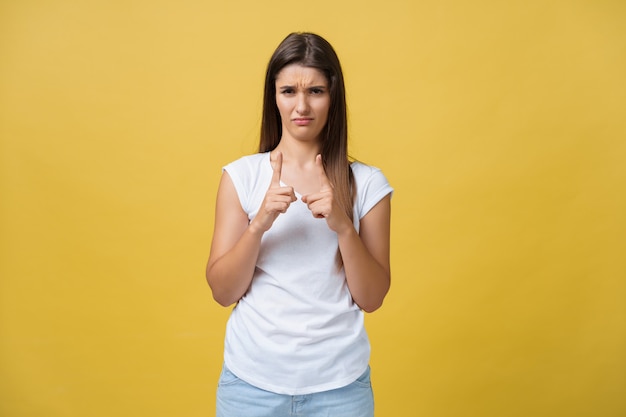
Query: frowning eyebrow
(312, 87)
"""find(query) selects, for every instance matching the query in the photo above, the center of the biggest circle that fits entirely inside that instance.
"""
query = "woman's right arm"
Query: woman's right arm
(237, 242)
(234, 249)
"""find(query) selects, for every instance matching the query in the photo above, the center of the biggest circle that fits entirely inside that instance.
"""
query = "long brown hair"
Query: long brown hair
(311, 50)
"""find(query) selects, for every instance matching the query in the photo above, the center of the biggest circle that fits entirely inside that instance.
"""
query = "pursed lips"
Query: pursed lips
(301, 121)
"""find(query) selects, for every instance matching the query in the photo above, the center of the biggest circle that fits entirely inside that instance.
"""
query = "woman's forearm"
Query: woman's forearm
(230, 275)
(367, 279)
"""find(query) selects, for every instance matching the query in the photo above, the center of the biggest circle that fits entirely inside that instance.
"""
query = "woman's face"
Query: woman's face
(303, 100)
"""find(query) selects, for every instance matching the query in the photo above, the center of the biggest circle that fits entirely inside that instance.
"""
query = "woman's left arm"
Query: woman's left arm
(365, 256)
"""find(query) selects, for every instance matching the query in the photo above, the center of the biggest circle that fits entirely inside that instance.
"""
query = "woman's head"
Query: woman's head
(307, 50)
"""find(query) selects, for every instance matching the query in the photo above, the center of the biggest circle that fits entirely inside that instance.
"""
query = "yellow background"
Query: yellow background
(499, 123)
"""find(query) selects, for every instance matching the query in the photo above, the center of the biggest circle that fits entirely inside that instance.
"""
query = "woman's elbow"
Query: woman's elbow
(370, 308)
(223, 301)
(222, 298)
(372, 305)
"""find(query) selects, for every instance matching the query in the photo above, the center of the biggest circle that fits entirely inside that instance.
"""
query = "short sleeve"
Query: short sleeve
(372, 186)
(235, 170)
(251, 176)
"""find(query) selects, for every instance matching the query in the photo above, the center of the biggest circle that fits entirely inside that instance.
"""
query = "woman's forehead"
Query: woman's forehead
(301, 75)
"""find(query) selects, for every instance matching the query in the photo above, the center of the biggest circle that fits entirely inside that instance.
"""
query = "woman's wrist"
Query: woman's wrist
(346, 231)
(255, 230)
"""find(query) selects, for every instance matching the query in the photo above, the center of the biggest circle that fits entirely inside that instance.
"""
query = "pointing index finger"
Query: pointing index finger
(324, 182)
(277, 166)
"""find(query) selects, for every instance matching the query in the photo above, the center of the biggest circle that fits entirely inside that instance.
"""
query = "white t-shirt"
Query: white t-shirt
(297, 330)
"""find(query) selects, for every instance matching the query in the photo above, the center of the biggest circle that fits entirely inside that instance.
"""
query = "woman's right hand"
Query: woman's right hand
(277, 199)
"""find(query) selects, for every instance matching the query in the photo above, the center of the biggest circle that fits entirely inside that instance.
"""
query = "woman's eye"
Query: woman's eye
(317, 91)
(287, 91)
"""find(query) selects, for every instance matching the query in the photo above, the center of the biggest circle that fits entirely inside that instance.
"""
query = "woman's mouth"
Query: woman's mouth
(302, 121)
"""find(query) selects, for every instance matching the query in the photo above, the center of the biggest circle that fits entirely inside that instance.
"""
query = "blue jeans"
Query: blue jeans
(236, 398)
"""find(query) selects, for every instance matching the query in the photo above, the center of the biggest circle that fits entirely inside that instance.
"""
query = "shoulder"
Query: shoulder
(371, 187)
(250, 176)
(248, 162)
(366, 174)
(361, 170)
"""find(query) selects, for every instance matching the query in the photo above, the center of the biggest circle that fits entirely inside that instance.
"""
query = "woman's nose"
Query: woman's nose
(302, 106)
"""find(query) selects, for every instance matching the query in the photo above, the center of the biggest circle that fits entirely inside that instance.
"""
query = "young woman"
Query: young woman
(301, 245)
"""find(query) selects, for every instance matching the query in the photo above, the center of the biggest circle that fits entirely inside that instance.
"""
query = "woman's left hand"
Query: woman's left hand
(323, 204)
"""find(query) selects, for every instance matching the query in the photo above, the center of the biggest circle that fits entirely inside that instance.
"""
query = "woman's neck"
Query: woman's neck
(298, 152)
